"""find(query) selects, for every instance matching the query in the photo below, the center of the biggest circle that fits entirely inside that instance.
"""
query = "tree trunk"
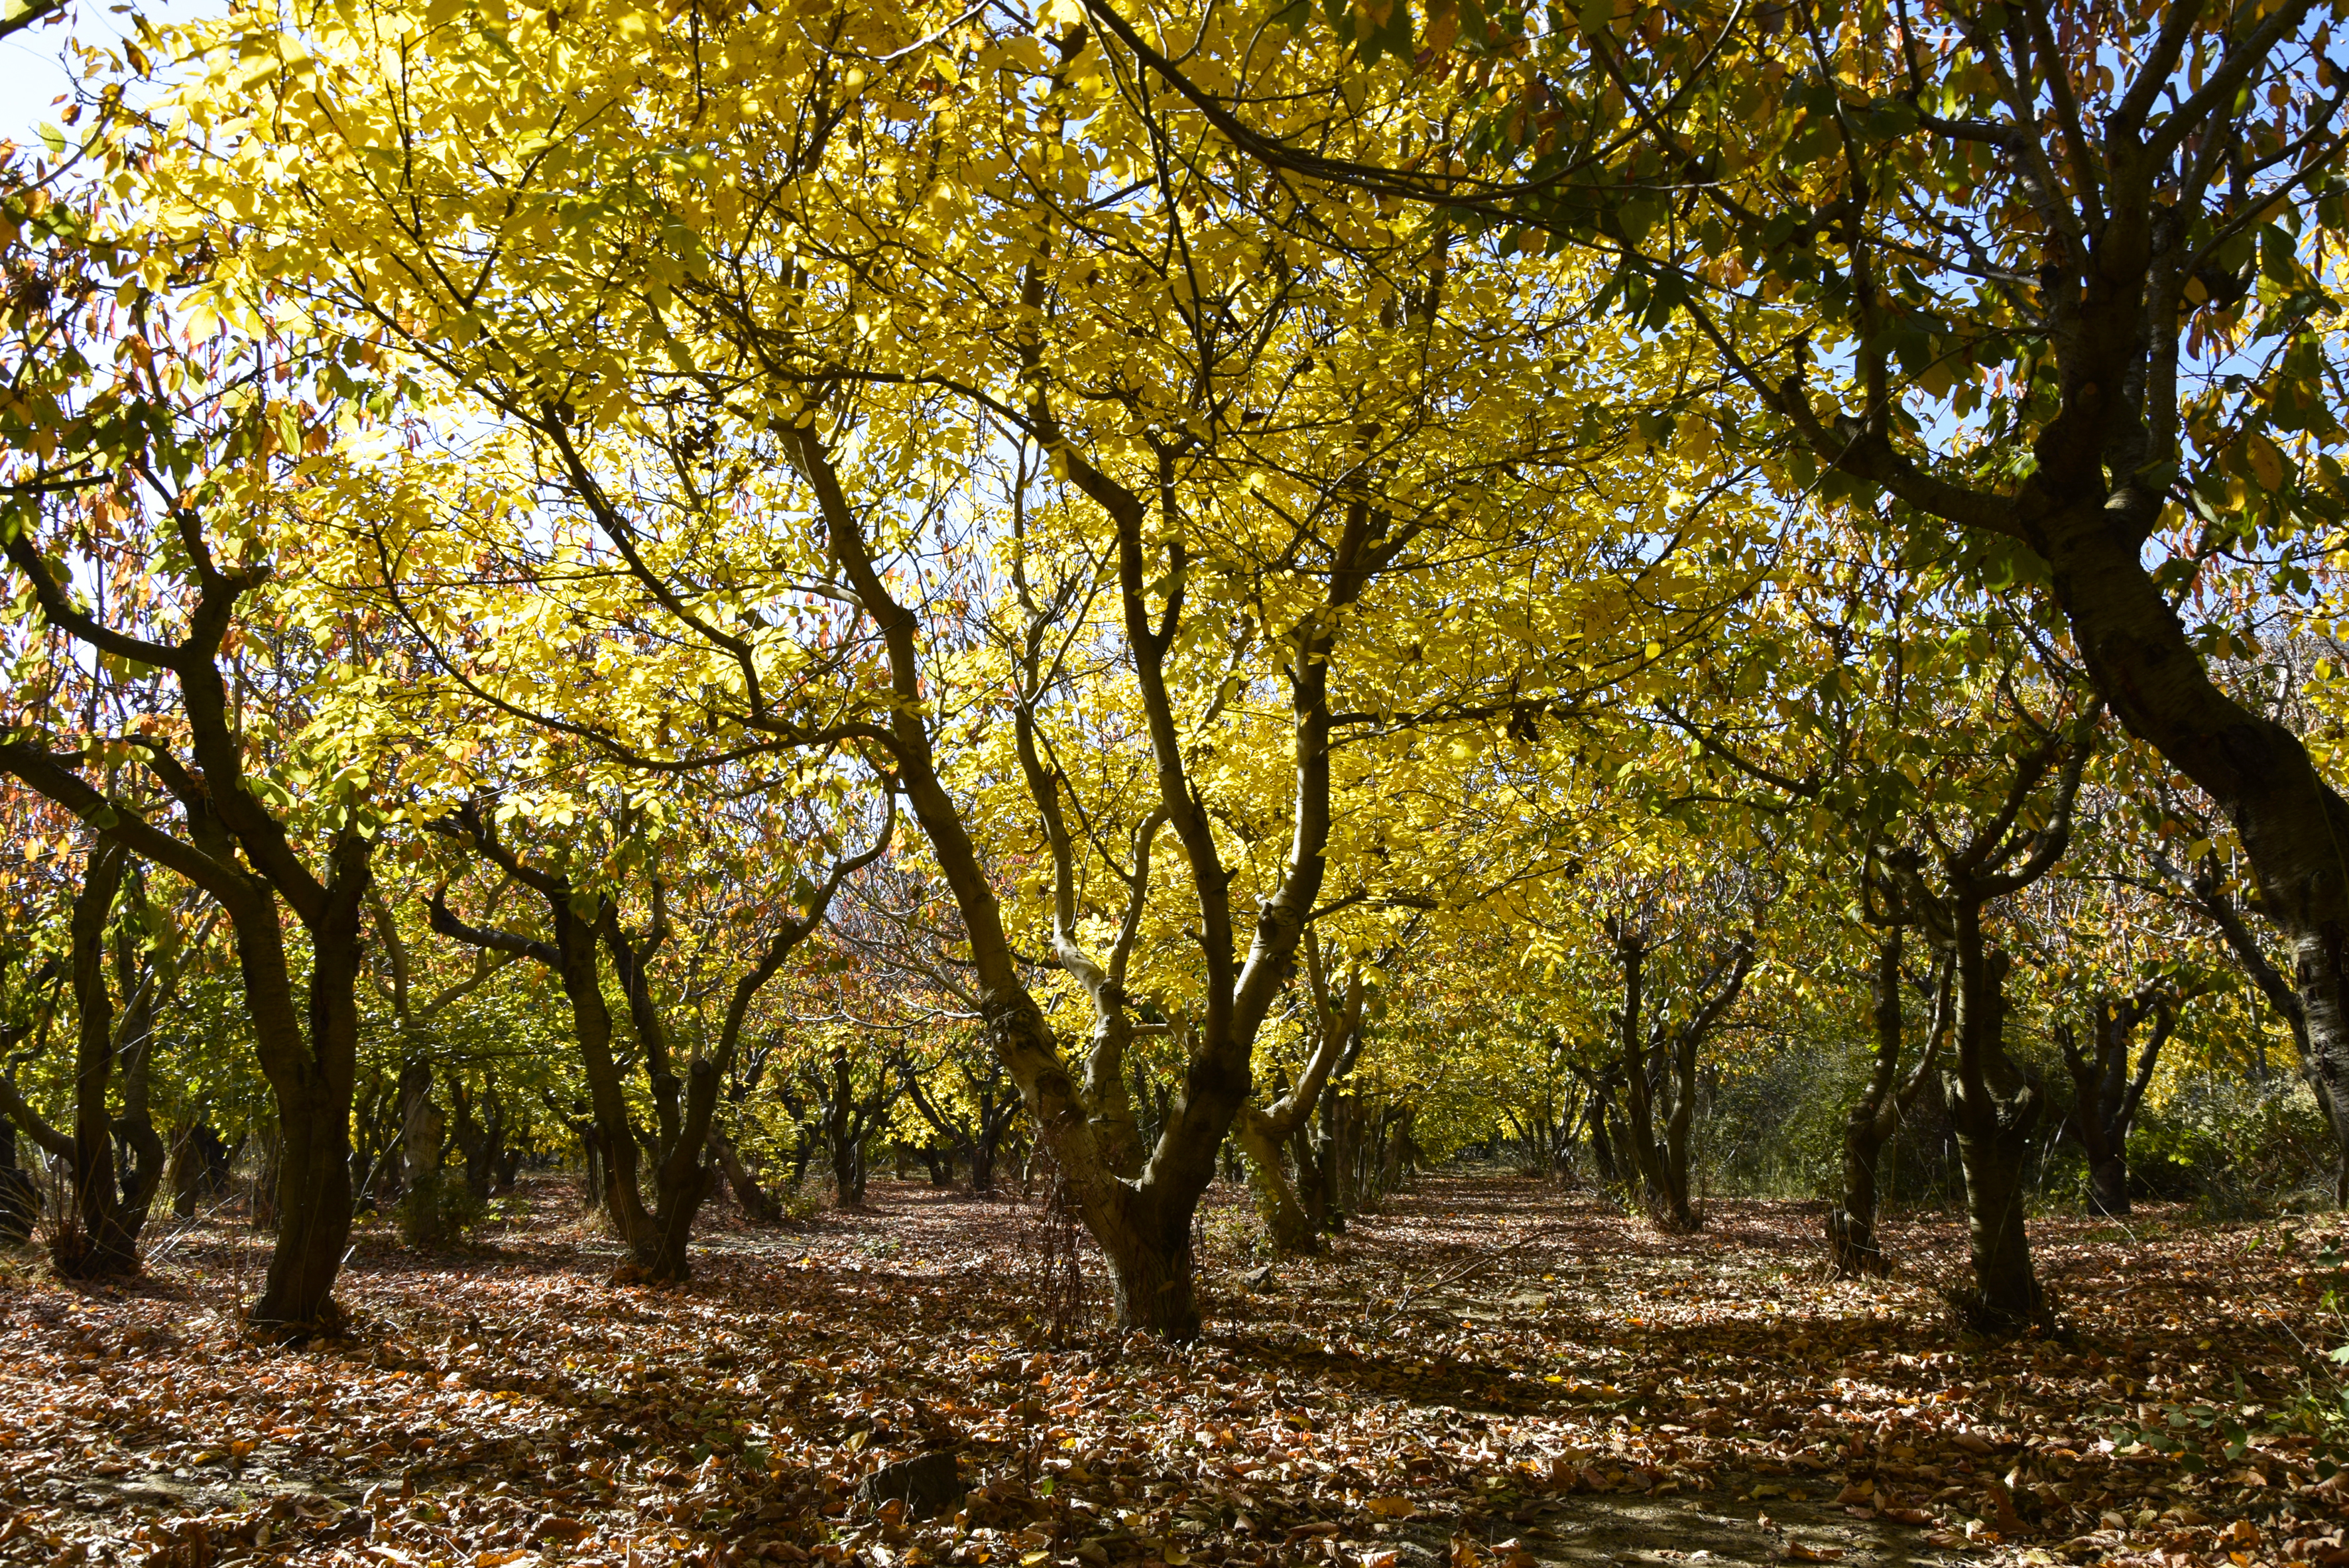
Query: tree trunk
(848, 1125)
(1599, 1116)
(134, 1130)
(1148, 1247)
(2106, 1092)
(590, 1160)
(313, 1091)
(199, 1167)
(19, 1200)
(615, 1136)
(480, 1133)
(265, 1144)
(1667, 1172)
(847, 1170)
(1652, 1060)
(1345, 1153)
(2108, 1183)
(756, 1204)
(109, 1212)
(1293, 1225)
(1285, 1222)
(1402, 1151)
(314, 1206)
(681, 1184)
(2094, 1120)
(1308, 1152)
(1853, 1249)
(185, 1174)
(423, 1131)
(1994, 1109)
(109, 1243)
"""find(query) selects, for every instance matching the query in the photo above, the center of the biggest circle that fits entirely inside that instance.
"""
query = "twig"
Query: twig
(180, 1233)
(1472, 1266)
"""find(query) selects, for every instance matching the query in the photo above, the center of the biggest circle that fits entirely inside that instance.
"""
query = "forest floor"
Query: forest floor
(1490, 1375)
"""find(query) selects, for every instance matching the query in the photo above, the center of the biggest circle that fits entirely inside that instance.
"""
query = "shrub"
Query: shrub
(1231, 1235)
(2237, 1147)
(439, 1210)
(796, 1202)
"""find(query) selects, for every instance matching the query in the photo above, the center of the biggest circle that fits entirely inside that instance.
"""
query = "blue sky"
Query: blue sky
(32, 68)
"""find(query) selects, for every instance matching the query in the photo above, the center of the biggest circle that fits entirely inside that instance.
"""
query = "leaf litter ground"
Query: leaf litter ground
(1490, 1375)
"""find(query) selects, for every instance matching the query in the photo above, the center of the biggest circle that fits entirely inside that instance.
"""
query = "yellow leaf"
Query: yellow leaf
(1442, 24)
(2267, 463)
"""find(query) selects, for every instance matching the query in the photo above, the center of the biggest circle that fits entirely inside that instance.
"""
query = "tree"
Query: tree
(588, 933)
(412, 1157)
(1943, 880)
(2117, 942)
(1667, 1012)
(228, 828)
(1933, 749)
(167, 461)
(2107, 1088)
(767, 420)
(2044, 277)
(844, 1102)
(1853, 1249)
(1336, 1033)
(144, 945)
(973, 1109)
(30, 981)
